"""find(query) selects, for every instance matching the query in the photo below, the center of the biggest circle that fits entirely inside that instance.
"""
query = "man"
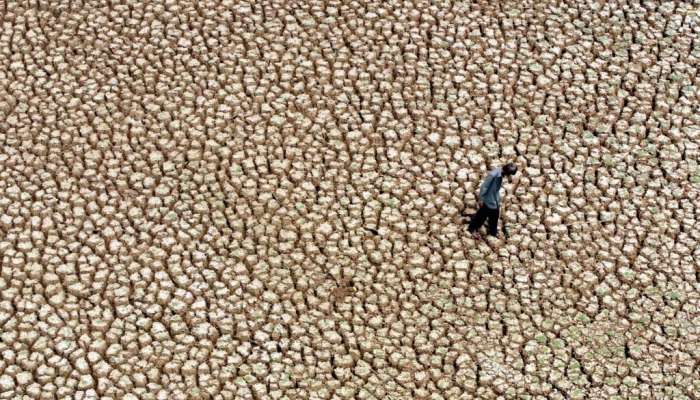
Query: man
(490, 200)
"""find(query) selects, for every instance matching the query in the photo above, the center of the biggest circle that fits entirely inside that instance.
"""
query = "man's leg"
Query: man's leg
(493, 222)
(478, 219)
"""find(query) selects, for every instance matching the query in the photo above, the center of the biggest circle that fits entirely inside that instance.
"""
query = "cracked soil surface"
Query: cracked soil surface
(228, 200)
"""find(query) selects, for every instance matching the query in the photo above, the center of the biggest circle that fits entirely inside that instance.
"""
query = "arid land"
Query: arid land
(261, 200)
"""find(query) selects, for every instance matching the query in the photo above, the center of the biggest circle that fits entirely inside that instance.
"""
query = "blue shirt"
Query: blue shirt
(489, 193)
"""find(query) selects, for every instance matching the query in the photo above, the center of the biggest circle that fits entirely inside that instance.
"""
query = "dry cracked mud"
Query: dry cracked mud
(229, 200)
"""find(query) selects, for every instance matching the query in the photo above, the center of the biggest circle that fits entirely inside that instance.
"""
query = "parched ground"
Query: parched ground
(227, 200)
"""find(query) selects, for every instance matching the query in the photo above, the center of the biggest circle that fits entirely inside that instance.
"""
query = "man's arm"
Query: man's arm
(504, 226)
(485, 187)
(516, 183)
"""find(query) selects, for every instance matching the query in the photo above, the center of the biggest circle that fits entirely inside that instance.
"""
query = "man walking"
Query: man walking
(490, 200)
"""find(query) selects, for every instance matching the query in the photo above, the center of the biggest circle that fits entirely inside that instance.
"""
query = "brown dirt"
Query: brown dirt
(229, 200)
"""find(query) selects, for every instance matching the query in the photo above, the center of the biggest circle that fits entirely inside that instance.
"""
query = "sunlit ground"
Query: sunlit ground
(221, 200)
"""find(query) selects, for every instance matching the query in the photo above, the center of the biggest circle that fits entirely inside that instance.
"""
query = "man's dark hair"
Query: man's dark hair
(510, 169)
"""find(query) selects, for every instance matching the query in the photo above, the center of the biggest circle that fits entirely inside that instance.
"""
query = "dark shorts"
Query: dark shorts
(481, 216)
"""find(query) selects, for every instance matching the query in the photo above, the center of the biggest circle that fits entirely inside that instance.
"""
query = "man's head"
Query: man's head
(509, 169)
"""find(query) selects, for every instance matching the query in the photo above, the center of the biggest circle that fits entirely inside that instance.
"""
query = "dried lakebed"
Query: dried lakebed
(261, 200)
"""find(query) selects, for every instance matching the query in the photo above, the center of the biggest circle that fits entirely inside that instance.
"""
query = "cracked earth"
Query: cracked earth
(228, 200)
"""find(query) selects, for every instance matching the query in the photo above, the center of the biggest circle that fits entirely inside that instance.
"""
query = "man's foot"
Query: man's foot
(476, 235)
